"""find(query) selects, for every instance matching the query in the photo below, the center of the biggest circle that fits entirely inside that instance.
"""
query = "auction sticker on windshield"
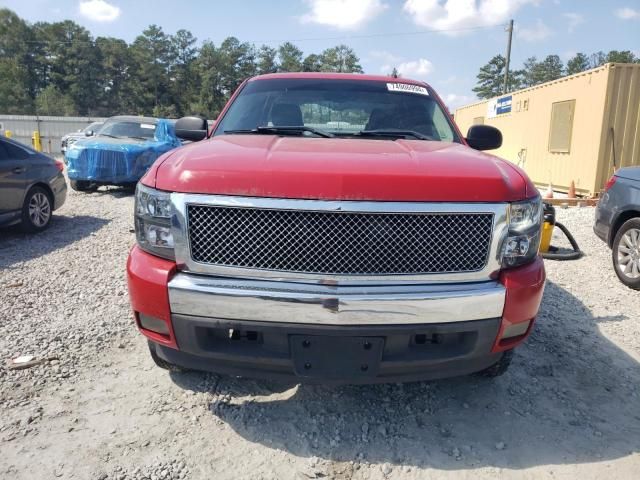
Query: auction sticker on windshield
(406, 87)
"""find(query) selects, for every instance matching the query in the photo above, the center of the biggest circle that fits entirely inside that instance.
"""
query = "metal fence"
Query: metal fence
(51, 129)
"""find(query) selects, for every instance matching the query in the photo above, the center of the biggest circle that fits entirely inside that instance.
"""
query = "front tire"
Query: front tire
(161, 362)
(500, 367)
(36, 210)
(83, 186)
(626, 253)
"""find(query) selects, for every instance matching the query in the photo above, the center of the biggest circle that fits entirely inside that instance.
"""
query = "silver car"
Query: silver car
(618, 223)
(71, 138)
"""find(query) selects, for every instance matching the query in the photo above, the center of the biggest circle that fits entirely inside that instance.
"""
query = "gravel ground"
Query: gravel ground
(98, 408)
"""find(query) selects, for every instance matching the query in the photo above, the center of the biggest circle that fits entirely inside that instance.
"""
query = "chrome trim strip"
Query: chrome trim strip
(236, 299)
(187, 264)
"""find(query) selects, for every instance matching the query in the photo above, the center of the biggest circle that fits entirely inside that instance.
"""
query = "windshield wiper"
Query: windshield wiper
(140, 138)
(392, 133)
(284, 129)
(106, 135)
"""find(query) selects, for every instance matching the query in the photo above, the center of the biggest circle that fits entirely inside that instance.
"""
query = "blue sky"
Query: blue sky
(441, 41)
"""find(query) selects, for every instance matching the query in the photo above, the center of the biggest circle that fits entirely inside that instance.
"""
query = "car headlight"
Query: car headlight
(523, 240)
(153, 221)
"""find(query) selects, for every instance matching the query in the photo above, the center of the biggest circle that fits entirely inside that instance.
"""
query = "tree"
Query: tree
(312, 63)
(624, 56)
(340, 59)
(237, 63)
(183, 76)
(18, 81)
(116, 93)
(210, 97)
(52, 101)
(290, 58)
(71, 62)
(150, 54)
(491, 79)
(535, 73)
(597, 59)
(578, 63)
(266, 60)
(14, 94)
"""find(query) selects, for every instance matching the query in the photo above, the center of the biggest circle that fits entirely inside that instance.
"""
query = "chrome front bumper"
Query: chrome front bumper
(278, 301)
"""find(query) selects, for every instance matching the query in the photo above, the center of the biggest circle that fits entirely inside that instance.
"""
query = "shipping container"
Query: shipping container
(579, 128)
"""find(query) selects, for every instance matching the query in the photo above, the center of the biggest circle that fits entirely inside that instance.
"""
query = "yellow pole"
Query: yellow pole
(7, 133)
(36, 142)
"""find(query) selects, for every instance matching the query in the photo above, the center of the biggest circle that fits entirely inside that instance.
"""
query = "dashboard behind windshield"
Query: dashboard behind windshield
(340, 107)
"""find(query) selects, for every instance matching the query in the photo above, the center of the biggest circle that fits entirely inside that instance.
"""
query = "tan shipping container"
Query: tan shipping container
(576, 128)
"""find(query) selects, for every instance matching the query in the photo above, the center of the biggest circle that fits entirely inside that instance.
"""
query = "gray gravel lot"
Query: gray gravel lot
(99, 409)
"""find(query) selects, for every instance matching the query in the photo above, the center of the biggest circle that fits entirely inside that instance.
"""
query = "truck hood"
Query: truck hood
(339, 169)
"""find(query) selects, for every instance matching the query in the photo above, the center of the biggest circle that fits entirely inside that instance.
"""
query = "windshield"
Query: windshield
(338, 107)
(128, 128)
(95, 126)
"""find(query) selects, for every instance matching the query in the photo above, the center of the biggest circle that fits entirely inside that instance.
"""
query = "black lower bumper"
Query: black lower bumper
(332, 354)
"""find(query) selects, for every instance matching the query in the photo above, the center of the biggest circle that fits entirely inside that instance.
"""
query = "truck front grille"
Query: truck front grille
(347, 243)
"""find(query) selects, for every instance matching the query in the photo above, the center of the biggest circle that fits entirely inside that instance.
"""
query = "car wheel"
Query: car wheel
(130, 187)
(163, 363)
(36, 210)
(83, 186)
(498, 368)
(626, 253)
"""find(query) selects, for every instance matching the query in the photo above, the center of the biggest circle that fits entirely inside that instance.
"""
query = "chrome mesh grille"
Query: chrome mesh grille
(345, 243)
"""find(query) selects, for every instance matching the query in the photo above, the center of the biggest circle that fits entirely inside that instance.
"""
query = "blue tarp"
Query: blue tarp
(118, 160)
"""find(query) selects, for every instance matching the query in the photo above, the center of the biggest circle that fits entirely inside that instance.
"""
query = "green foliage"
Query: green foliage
(266, 60)
(578, 63)
(624, 56)
(491, 79)
(59, 69)
(340, 59)
(51, 101)
(290, 58)
(534, 72)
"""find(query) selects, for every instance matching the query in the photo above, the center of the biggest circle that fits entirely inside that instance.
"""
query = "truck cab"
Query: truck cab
(335, 228)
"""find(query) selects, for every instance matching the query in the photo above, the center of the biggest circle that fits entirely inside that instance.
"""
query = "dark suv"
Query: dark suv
(618, 223)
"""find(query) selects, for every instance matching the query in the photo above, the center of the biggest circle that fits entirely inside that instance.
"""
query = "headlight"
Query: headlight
(153, 222)
(523, 240)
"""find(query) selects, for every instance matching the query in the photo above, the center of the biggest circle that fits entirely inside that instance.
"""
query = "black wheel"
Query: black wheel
(626, 253)
(163, 363)
(498, 368)
(130, 187)
(83, 186)
(36, 210)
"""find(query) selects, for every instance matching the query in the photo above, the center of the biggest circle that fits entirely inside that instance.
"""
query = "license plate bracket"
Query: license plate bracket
(336, 357)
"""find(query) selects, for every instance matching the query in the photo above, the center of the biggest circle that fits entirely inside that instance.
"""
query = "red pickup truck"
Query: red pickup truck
(335, 228)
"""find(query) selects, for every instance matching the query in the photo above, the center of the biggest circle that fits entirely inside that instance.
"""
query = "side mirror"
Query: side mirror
(484, 137)
(89, 133)
(191, 128)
